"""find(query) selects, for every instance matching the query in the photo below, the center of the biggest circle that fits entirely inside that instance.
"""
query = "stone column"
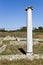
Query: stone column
(29, 30)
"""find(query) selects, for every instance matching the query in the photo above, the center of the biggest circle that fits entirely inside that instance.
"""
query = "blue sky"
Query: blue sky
(13, 14)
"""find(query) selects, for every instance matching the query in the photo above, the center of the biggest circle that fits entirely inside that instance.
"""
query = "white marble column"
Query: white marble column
(29, 30)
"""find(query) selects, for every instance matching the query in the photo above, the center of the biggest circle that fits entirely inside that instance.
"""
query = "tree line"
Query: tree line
(23, 29)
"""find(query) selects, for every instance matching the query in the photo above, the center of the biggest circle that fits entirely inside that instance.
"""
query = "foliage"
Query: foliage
(39, 29)
(23, 29)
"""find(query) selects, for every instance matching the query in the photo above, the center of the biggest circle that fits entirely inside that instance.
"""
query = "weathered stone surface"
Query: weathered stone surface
(17, 57)
(3, 48)
(1, 40)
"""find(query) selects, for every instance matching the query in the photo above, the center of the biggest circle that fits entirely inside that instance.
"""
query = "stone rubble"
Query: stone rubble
(3, 48)
(18, 41)
(18, 57)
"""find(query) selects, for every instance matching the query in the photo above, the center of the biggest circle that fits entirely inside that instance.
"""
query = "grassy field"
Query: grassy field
(15, 34)
(38, 35)
(21, 49)
(21, 62)
(21, 34)
(38, 49)
(14, 49)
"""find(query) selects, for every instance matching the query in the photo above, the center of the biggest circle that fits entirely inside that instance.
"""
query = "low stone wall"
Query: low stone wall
(17, 43)
(17, 40)
(18, 57)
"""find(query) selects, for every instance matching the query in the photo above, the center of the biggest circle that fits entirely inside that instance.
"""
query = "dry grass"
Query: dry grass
(14, 49)
(21, 34)
(21, 62)
(38, 49)
(15, 34)
(38, 35)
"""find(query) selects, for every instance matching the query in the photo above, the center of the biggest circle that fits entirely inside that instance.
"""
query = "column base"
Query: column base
(29, 53)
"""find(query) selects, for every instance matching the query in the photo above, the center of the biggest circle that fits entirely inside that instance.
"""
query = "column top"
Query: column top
(29, 7)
